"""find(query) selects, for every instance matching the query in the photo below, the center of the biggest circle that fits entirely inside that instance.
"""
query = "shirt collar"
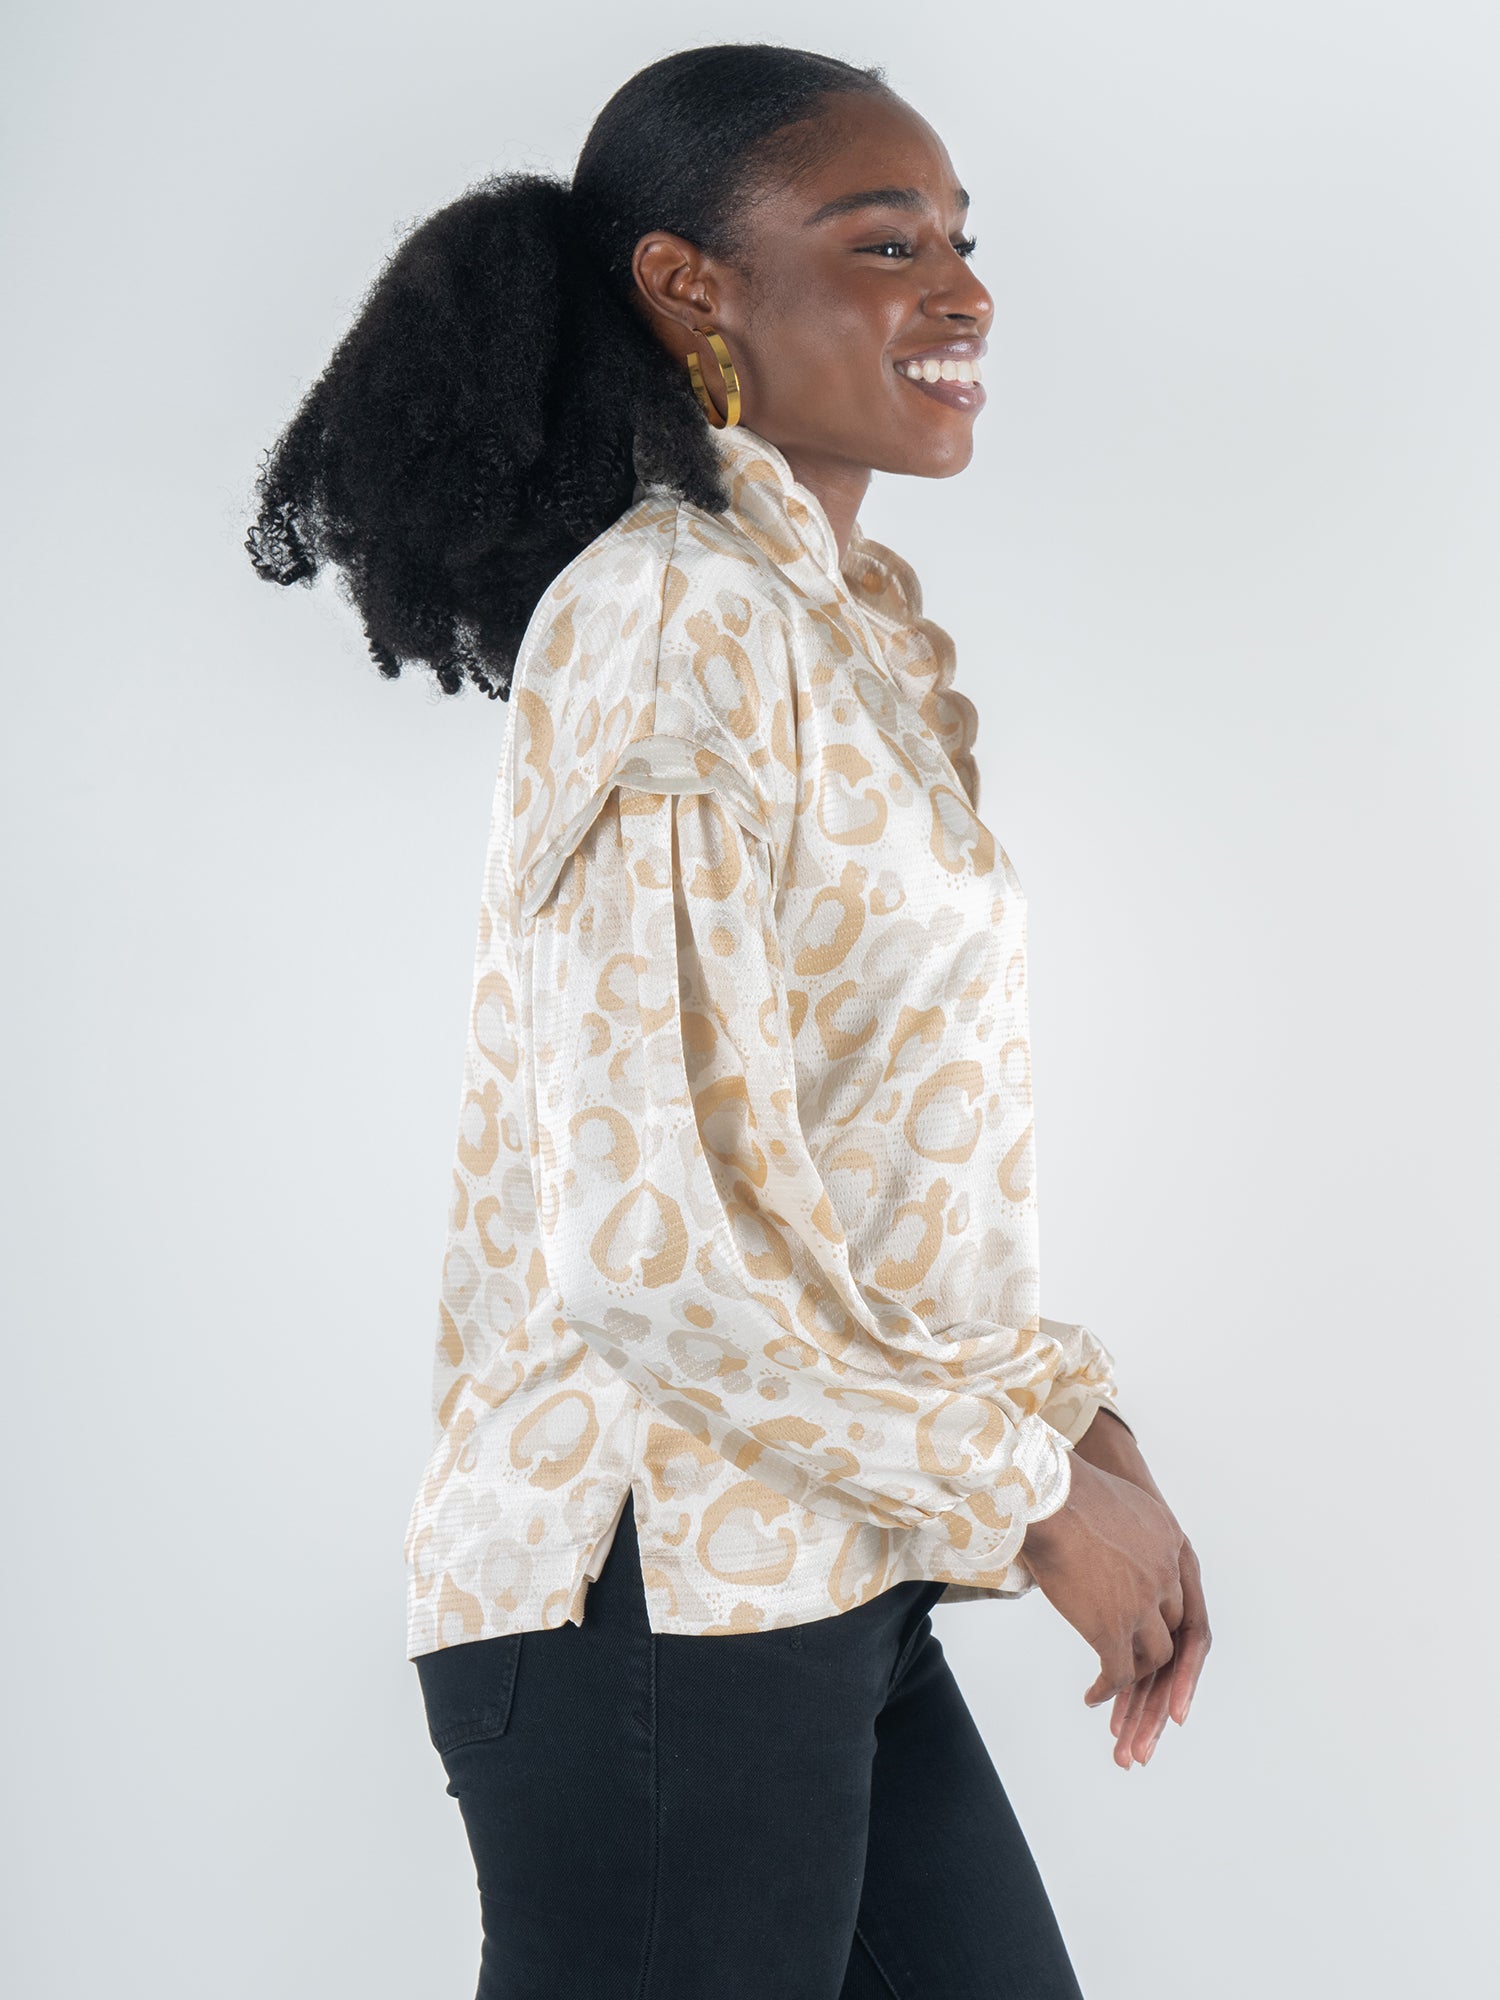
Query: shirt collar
(872, 587)
(771, 505)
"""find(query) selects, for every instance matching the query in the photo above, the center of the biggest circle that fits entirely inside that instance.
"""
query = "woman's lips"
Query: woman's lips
(938, 372)
(957, 395)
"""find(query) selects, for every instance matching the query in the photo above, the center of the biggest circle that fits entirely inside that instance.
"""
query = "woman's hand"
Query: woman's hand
(1141, 1710)
(1108, 1561)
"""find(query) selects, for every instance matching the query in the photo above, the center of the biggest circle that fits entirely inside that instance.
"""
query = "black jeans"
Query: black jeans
(808, 1813)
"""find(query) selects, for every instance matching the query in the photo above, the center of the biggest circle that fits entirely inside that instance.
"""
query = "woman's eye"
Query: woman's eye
(965, 246)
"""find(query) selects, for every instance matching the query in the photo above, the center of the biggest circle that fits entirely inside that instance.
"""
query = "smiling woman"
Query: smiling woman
(740, 1364)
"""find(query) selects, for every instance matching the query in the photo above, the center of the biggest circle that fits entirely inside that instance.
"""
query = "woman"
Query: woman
(739, 1365)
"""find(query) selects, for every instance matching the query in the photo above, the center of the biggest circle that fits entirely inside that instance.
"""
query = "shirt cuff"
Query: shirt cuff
(978, 1542)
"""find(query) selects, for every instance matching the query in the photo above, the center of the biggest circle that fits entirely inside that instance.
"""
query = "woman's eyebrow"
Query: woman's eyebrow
(891, 197)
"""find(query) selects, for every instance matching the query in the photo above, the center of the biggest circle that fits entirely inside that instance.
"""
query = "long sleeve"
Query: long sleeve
(1084, 1385)
(688, 1235)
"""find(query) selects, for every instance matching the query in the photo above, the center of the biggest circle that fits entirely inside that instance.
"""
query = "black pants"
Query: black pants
(808, 1813)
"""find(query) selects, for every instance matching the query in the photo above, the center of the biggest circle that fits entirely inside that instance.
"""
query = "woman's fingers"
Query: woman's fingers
(1193, 1637)
(1119, 1670)
(1141, 1711)
(1172, 1691)
(1133, 1708)
(1153, 1715)
(1111, 1683)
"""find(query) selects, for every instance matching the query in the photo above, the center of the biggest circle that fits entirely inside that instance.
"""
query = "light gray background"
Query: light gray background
(1223, 581)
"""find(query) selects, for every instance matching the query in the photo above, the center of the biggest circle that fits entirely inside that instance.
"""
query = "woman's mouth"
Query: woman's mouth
(952, 378)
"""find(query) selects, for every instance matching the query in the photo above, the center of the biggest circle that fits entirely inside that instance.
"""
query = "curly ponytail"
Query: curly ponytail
(488, 413)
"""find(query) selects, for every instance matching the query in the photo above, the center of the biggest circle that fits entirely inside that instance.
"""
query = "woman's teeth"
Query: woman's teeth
(946, 370)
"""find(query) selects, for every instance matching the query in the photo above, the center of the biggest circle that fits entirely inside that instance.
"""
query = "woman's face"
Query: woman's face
(854, 271)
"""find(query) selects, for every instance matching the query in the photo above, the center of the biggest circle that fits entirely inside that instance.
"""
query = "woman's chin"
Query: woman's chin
(934, 450)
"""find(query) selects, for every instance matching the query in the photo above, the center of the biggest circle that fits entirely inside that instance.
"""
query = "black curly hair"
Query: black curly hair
(500, 391)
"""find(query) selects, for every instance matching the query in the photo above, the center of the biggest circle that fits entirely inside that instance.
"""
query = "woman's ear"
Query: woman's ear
(676, 282)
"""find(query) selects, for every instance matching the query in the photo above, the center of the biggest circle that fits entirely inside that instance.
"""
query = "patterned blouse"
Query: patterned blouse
(743, 1212)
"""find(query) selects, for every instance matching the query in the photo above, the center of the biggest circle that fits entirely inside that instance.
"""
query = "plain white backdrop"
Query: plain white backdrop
(1223, 580)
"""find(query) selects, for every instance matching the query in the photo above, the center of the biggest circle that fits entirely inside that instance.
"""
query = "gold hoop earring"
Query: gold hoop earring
(727, 373)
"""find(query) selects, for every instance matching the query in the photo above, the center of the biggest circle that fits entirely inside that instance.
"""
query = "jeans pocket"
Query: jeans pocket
(468, 1690)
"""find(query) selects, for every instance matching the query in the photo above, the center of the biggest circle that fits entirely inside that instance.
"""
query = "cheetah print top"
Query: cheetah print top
(743, 1209)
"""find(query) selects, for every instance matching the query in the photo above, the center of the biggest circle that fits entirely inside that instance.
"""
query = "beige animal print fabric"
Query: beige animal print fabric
(744, 1205)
